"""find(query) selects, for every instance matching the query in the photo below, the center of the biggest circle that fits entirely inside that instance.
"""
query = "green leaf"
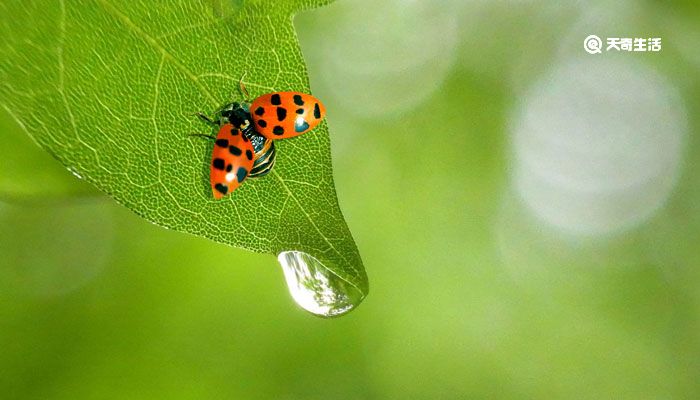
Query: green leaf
(30, 175)
(110, 88)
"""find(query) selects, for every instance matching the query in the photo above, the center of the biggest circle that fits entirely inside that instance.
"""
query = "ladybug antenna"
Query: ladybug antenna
(243, 89)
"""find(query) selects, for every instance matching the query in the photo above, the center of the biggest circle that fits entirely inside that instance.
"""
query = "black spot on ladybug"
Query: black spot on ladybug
(229, 167)
(262, 123)
(234, 132)
(298, 100)
(300, 111)
(278, 130)
(222, 142)
(259, 111)
(281, 113)
(275, 99)
(301, 125)
(221, 188)
(249, 154)
(234, 150)
(219, 163)
(317, 111)
(241, 174)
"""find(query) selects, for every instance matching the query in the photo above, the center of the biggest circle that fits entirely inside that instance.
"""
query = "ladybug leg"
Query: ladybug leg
(212, 137)
(206, 119)
(243, 89)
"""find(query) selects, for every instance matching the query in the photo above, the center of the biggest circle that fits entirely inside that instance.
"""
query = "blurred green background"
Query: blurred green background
(528, 214)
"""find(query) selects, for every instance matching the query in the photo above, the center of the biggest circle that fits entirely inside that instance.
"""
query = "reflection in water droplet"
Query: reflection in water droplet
(315, 288)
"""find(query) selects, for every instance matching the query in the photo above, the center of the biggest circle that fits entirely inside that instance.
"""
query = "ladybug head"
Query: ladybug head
(236, 114)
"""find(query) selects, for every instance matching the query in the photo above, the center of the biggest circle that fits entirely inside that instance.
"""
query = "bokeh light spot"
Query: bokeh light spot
(597, 145)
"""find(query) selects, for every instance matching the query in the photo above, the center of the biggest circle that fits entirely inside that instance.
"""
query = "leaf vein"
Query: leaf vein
(159, 47)
(330, 244)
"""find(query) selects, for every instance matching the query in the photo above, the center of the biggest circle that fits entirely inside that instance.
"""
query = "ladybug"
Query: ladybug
(244, 145)
(282, 115)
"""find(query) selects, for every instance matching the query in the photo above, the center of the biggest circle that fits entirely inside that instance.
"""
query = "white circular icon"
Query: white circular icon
(593, 44)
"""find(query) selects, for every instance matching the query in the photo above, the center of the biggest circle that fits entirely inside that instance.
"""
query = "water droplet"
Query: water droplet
(316, 288)
(74, 172)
